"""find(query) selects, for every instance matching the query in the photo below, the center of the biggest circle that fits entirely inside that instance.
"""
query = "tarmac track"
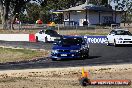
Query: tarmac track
(100, 54)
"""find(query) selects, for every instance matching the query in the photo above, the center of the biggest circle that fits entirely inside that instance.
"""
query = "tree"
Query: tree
(44, 10)
(16, 7)
(4, 9)
(126, 7)
(33, 11)
(10, 9)
(104, 2)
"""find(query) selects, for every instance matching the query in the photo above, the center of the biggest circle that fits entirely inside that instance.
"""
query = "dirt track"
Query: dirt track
(62, 77)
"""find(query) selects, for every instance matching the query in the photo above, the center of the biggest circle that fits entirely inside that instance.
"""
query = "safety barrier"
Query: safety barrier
(31, 38)
(96, 39)
(18, 37)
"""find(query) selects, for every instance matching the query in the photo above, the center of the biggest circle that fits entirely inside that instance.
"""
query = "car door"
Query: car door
(111, 36)
(41, 36)
(47, 34)
(85, 46)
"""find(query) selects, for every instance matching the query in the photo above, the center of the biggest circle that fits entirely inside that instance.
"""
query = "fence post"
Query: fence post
(58, 28)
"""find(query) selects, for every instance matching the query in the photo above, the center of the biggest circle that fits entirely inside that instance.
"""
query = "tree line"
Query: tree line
(31, 10)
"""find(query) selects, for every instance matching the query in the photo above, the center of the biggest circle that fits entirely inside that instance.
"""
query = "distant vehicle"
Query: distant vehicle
(70, 47)
(119, 36)
(48, 35)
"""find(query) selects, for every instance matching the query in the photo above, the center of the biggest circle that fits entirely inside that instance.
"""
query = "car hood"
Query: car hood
(66, 47)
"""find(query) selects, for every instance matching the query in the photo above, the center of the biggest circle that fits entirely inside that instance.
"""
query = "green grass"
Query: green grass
(30, 31)
(11, 55)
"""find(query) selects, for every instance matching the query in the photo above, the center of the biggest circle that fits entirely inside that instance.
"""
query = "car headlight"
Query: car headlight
(74, 50)
(82, 47)
(54, 51)
(120, 38)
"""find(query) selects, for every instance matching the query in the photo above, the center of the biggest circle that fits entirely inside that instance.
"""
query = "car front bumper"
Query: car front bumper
(124, 42)
(65, 56)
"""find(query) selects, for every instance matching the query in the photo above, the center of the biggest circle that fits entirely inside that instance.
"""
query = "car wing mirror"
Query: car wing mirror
(83, 43)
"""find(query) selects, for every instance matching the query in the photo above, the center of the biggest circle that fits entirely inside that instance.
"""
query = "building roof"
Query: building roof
(79, 7)
(97, 8)
(86, 6)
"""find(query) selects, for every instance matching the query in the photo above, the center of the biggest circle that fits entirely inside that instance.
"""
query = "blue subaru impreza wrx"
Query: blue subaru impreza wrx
(70, 47)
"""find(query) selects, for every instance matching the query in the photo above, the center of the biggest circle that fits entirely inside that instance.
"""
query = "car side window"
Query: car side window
(47, 32)
(41, 32)
(112, 32)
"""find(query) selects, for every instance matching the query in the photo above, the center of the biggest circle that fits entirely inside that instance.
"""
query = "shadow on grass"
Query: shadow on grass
(90, 57)
(24, 61)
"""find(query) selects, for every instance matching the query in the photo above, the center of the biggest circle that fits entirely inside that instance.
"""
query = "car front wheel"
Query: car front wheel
(86, 56)
(108, 44)
(54, 59)
(115, 43)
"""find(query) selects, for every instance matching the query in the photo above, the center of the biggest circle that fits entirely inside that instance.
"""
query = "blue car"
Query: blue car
(70, 47)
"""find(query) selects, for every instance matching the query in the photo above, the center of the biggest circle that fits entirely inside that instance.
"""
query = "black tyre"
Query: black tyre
(54, 60)
(82, 57)
(86, 56)
(46, 40)
(115, 43)
(108, 44)
(36, 38)
(84, 81)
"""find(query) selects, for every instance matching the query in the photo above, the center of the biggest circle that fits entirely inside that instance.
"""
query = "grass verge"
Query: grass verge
(63, 32)
(16, 55)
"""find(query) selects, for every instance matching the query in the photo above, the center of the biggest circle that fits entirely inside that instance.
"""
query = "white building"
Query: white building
(89, 14)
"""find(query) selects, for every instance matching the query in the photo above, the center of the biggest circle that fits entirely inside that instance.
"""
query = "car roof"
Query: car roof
(120, 29)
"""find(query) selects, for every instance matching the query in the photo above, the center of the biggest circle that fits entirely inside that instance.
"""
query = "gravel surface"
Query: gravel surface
(63, 77)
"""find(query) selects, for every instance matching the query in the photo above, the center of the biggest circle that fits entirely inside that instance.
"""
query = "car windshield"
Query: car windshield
(70, 41)
(51, 32)
(121, 32)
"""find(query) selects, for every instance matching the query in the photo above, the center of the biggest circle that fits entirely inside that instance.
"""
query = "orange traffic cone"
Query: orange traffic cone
(84, 74)
(84, 81)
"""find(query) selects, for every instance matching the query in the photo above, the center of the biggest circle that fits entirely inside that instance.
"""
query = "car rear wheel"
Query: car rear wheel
(46, 40)
(36, 38)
